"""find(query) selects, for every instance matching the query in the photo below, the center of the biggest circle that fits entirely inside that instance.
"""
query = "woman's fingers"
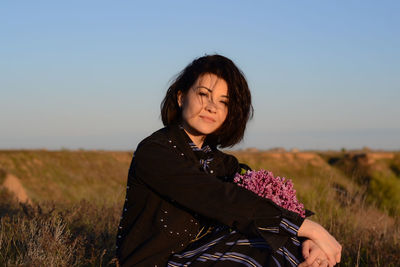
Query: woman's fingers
(306, 249)
(315, 264)
(324, 263)
(330, 246)
(331, 260)
(320, 263)
(312, 258)
(314, 255)
(339, 254)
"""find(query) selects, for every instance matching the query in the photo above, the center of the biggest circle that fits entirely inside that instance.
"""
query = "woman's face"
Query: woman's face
(204, 106)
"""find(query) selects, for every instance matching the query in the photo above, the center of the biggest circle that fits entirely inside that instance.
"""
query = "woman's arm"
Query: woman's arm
(167, 172)
(323, 239)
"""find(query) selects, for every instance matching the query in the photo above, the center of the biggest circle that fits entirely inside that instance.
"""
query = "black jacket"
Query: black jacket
(169, 196)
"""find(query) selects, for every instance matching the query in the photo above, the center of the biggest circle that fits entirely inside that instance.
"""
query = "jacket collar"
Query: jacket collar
(177, 136)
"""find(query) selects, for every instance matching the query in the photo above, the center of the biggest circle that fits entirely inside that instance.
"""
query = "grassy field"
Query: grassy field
(76, 199)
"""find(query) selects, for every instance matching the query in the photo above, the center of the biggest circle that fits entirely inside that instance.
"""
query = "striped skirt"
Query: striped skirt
(224, 247)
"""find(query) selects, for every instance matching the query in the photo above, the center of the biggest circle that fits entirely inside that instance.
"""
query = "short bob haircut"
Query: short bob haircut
(240, 109)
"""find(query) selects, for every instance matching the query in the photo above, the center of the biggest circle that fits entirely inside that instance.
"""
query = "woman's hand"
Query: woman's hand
(323, 239)
(313, 255)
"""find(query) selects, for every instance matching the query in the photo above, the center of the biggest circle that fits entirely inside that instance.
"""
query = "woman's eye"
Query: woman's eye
(203, 94)
(224, 103)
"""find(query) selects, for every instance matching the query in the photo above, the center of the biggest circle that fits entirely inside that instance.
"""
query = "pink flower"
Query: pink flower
(277, 189)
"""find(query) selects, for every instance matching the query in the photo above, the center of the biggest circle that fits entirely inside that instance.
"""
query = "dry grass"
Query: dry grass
(82, 234)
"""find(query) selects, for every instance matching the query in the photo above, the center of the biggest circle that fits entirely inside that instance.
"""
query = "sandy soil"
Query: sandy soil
(13, 184)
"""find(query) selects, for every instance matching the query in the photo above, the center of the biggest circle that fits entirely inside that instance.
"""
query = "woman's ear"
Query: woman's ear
(180, 98)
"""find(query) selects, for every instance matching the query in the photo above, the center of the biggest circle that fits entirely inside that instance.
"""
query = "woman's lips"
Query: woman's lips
(207, 119)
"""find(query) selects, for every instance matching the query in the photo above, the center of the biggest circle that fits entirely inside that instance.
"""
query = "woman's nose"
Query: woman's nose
(210, 106)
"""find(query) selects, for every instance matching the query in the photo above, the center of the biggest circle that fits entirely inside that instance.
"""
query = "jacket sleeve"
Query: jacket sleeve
(166, 172)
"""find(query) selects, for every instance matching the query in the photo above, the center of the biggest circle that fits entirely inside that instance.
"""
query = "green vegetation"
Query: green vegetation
(77, 198)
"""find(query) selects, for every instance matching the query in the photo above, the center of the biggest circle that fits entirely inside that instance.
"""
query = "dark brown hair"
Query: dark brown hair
(240, 109)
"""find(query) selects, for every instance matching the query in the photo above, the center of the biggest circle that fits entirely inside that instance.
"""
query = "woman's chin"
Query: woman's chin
(206, 130)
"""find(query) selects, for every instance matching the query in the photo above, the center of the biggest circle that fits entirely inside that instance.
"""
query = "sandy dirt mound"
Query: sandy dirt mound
(373, 157)
(13, 185)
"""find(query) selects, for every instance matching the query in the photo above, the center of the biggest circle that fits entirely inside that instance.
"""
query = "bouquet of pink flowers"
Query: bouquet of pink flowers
(277, 189)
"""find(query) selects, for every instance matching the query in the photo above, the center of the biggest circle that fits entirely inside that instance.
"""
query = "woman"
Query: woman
(182, 207)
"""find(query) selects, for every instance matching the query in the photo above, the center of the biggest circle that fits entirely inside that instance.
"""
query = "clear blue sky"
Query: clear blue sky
(92, 74)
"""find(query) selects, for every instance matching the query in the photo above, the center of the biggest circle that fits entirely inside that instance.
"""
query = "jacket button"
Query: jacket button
(211, 171)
